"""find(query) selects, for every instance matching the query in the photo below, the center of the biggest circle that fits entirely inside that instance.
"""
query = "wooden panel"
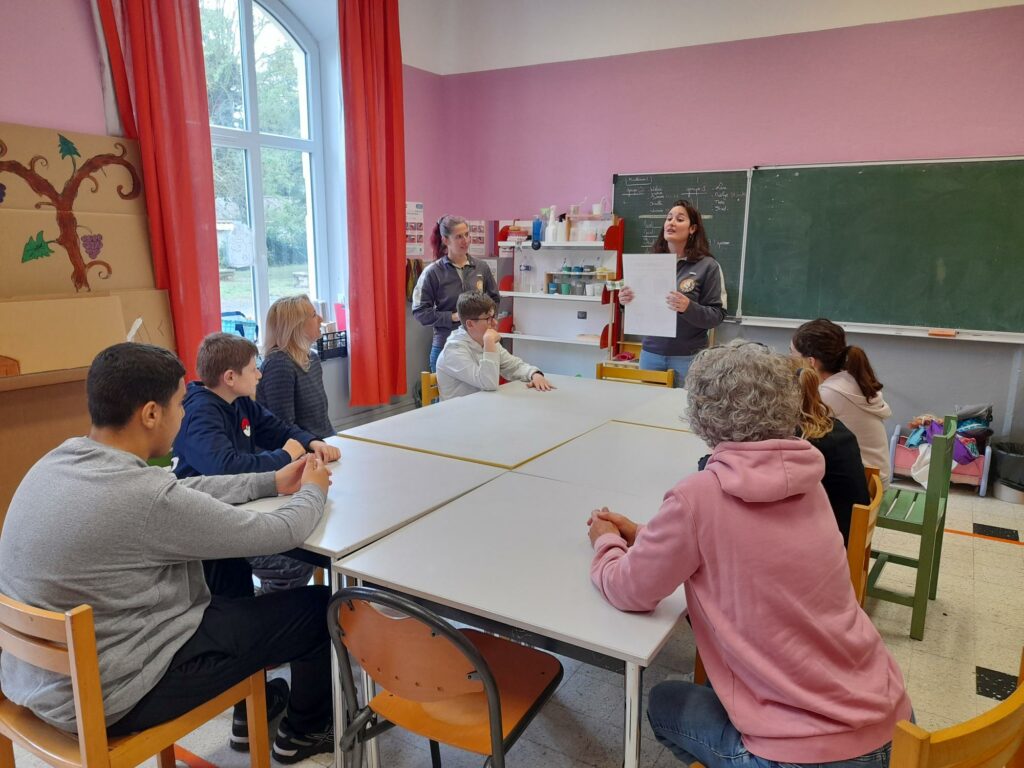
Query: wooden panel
(36, 420)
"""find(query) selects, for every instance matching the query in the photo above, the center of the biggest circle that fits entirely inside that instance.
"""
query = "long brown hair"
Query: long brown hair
(815, 417)
(696, 244)
(826, 342)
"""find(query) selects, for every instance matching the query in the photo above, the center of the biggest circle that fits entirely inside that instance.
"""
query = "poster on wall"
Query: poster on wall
(477, 238)
(413, 230)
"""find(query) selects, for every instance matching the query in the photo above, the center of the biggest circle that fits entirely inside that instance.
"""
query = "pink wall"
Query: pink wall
(50, 66)
(425, 162)
(948, 86)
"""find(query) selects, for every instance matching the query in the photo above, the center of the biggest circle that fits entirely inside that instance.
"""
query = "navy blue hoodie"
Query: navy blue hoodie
(222, 438)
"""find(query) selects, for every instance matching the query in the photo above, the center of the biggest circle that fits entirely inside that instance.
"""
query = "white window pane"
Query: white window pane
(234, 235)
(222, 54)
(281, 88)
(289, 220)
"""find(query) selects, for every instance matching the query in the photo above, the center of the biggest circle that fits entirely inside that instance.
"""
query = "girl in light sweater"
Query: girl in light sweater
(849, 387)
(799, 673)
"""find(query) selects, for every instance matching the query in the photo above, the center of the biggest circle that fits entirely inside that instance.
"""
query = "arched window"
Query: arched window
(262, 84)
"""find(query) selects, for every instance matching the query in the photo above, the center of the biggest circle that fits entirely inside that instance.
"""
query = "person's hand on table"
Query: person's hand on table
(289, 477)
(316, 472)
(604, 521)
(325, 451)
(294, 448)
(677, 302)
(626, 295)
(541, 384)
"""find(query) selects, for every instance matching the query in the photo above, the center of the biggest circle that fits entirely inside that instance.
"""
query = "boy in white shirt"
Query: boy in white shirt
(473, 358)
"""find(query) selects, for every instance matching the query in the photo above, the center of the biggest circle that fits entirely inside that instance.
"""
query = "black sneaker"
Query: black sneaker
(277, 700)
(291, 747)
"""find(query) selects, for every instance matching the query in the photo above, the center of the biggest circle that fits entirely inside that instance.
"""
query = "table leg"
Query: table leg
(634, 703)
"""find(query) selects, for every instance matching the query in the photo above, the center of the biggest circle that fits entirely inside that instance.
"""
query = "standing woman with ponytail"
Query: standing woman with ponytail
(452, 273)
(849, 388)
(698, 297)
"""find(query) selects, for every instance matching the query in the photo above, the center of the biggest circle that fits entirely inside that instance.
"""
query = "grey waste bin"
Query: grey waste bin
(1008, 464)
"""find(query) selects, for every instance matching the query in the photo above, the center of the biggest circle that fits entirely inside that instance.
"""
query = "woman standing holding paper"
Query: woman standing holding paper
(698, 299)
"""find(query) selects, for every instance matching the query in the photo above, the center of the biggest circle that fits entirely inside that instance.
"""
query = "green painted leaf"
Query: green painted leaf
(67, 147)
(35, 248)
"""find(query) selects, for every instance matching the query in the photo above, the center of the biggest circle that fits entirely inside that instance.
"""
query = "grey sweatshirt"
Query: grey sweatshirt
(93, 524)
(703, 284)
(464, 367)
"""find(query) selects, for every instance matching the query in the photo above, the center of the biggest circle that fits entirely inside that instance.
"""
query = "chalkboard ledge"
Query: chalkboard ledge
(943, 334)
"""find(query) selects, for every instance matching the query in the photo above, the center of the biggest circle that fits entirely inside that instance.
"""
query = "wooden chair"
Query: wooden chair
(611, 372)
(464, 688)
(862, 530)
(428, 388)
(65, 643)
(990, 740)
(922, 513)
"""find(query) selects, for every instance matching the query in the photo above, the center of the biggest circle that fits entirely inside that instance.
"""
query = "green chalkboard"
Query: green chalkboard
(921, 244)
(720, 196)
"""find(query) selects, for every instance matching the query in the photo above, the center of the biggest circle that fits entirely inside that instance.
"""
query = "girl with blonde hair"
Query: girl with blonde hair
(844, 481)
(292, 386)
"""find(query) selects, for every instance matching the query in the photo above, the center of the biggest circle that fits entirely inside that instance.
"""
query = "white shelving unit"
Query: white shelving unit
(560, 333)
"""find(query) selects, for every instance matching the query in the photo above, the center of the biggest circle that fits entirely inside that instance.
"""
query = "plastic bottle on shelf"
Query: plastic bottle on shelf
(525, 281)
(537, 233)
(551, 230)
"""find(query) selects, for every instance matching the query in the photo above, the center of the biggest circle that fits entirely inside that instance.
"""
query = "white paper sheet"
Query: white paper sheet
(652, 277)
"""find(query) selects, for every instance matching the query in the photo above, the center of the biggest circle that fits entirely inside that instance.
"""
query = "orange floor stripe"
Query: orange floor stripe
(182, 755)
(983, 536)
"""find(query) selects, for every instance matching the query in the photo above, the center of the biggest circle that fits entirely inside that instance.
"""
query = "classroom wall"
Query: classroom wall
(947, 86)
(50, 66)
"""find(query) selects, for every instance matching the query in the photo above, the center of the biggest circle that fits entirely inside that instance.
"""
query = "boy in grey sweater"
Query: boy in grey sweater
(92, 523)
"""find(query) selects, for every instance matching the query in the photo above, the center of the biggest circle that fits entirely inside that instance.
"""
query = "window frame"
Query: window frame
(252, 142)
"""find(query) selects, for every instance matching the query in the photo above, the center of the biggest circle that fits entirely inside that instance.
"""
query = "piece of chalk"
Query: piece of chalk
(946, 333)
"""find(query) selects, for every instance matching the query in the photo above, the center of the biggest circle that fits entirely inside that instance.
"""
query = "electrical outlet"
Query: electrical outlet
(581, 315)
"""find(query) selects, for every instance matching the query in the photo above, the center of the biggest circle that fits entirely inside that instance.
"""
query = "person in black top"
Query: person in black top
(844, 479)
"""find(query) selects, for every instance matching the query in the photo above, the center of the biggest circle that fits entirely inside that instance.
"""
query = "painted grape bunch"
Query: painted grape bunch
(93, 244)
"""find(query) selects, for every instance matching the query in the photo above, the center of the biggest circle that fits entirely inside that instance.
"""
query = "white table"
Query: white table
(510, 426)
(515, 551)
(376, 489)
(667, 410)
(638, 460)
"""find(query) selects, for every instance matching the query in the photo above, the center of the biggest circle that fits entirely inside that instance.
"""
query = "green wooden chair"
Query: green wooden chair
(922, 513)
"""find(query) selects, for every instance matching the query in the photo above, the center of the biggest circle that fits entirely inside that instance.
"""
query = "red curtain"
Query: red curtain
(371, 78)
(170, 119)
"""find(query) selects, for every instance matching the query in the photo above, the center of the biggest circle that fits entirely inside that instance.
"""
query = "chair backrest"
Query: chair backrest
(990, 740)
(64, 643)
(940, 466)
(607, 371)
(862, 529)
(409, 651)
(428, 387)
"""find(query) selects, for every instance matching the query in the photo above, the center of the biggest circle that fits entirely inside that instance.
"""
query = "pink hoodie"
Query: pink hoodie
(799, 667)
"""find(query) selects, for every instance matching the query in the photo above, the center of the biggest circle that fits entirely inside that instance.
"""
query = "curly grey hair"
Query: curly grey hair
(742, 392)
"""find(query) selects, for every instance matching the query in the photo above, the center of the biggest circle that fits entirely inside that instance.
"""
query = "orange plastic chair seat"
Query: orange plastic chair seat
(522, 674)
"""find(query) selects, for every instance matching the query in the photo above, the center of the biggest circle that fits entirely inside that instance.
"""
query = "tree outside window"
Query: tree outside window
(267, 156)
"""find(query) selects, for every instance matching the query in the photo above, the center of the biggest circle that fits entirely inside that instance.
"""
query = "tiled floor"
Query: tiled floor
(976, 621)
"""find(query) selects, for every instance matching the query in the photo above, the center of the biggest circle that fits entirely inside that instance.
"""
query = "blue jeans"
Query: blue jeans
(692, 723)
(435, 352)
(678, 363)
